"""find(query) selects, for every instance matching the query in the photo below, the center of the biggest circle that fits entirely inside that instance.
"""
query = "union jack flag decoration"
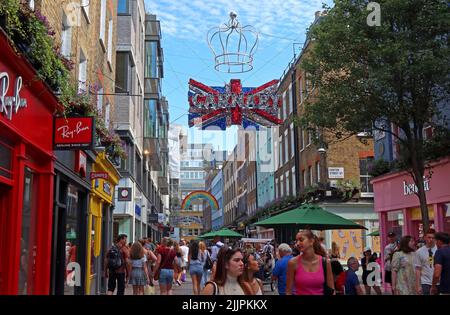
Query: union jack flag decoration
(233, 105)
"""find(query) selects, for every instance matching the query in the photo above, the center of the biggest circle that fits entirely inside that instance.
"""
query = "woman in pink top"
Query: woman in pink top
(306, 271)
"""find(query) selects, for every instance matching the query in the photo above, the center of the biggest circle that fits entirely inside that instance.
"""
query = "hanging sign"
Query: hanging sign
(73, 133)
(102, 175)
(124, 194)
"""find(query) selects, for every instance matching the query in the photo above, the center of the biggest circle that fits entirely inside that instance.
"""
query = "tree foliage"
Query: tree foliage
(397, 73)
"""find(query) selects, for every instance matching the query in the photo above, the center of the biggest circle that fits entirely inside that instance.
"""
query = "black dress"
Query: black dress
(364, 267)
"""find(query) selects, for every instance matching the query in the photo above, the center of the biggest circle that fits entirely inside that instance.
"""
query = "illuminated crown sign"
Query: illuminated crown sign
(233, 46)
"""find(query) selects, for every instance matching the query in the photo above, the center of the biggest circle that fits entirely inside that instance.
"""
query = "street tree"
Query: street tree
(383, 64)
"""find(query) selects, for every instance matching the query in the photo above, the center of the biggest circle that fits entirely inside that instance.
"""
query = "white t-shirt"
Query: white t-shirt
(185, 251)
(424, 261)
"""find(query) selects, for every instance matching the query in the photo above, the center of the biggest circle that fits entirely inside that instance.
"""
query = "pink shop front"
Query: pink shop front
(398, 207)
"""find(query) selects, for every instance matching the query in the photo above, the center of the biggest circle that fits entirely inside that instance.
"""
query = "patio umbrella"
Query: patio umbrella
(222, 233)
(374, 233)
(312, 217)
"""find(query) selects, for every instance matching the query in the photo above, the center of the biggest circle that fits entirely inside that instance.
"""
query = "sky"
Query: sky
(281, 24)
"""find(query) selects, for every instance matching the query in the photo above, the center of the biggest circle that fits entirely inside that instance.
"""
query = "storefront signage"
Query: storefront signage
(102, 175)
(124, 194)
(137, 210)
(10, 105)
(153, 218)
(336, 172)
(410, 189)
(107, 188)
(72, 133)
(161, 217)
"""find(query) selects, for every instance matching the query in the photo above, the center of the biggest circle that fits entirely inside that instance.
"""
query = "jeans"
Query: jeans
(166, 276)
(120, 278)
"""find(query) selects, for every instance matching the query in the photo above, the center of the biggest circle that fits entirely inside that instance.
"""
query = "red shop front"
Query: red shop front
(26, 175)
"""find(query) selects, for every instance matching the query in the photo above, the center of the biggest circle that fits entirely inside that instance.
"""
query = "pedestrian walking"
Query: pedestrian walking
(117, 266)
(185, 252)
(365, 261)
(425, 263)
(403, 268)
(178, 267)
(352, 286)
(280, 270)
(228, 277)
(195, 265)
(310, 273)
(389, 250)
(251, 267)
(441, 265)
(139, 276)
(207, 266)
(335, 253)
(164, 267)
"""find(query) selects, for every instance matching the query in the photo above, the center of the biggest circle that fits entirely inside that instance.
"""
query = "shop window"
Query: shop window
(5, 160)
(395, 223)
(447, 218)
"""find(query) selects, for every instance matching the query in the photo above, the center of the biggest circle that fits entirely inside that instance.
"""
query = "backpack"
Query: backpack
(208, 262)
(114, 258)
(340, 282)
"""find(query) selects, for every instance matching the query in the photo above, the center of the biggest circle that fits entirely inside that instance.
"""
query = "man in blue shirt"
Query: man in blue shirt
(280, 270)
(352, 286)
(441, 265)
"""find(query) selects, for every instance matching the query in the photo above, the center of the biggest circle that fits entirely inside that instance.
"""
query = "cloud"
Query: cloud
(191, 19)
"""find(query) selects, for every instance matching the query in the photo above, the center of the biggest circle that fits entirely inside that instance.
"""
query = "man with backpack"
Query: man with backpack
(117, 267)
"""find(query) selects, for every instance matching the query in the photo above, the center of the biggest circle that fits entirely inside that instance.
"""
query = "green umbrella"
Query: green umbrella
(312, 217)
(374, 233)
(222, 233)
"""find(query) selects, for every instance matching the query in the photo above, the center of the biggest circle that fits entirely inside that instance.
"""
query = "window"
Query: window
(110, 40)
(85, 5)
(100, 102)
(122, 72)
(282, 188)
(123, 7)
(82, 73)
(311, 175)
(294, 186)
(305, 179)
(107, 113)
(285, 110)
(318, 171)
(288, 184)
(364, 177)
(66, 38)
(276, 189)
(291, 105)
(286, 146)
(292, 140)
(309, 137)
(102, 22)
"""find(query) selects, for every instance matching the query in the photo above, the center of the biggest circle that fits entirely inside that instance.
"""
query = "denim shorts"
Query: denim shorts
(166, 276)
(196, 270)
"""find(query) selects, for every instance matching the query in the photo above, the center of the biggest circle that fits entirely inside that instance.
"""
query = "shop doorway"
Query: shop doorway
(5, 203)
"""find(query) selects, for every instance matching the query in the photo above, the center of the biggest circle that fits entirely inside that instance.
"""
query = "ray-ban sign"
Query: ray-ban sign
(73, 133)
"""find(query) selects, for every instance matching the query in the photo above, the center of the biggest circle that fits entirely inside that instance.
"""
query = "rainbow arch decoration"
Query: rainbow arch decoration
(199, 194)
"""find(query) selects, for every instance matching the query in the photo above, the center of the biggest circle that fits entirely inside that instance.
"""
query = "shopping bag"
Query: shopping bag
(149, 290)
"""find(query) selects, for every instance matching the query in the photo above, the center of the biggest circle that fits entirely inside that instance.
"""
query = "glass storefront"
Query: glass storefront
(72, 238)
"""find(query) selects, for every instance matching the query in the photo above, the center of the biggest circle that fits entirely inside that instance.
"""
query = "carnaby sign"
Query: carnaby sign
(73, 133)
(10, 105)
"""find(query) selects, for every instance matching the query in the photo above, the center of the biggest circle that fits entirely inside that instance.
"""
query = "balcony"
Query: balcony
(152, 152)
(163, 185)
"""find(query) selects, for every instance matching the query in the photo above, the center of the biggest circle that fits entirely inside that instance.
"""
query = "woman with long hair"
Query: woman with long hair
(335, 254)
(139, 272)
(310, 273)
(177, 271)
(403, 268)
(204, 254)
(165, 266)
(251, 268)
(195, 264)
(228, 276)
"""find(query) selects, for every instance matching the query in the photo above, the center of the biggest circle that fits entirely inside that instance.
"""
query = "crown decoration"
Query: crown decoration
(235, 46)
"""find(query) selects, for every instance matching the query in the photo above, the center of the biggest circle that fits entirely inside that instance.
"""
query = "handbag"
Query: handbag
(326, 289)
(208, 262)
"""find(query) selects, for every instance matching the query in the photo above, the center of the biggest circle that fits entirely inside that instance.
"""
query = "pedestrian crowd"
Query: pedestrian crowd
(305, 267)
